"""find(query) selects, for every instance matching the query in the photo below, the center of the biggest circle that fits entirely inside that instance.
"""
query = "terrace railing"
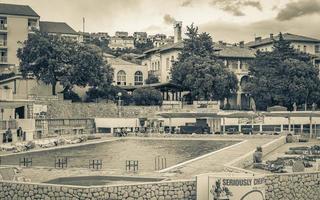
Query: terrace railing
(5, 124)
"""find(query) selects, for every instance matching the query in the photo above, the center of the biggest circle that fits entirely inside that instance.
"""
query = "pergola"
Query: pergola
(170, 91)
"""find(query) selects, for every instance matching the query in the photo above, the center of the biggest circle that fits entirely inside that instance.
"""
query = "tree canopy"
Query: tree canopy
(200, 72)
(147, 97)
(54, 59)
(283, 77)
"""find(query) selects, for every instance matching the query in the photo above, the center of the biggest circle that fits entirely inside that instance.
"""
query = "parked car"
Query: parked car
(232, 131)
(247, 130)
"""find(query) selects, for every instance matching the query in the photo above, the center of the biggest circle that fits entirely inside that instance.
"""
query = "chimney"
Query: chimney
(271, 36)
(258, 39)
(177, 31)
(241, 44)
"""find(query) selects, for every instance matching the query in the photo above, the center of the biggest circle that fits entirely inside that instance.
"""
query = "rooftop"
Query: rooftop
(286, 36)
(56, 27)
(224, 51)
(117, 61)
(21, 10)
(178, 45)
(220, 50)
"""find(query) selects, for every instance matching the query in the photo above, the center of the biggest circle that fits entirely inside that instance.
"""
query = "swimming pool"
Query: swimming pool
(114, 154)
(100, 180)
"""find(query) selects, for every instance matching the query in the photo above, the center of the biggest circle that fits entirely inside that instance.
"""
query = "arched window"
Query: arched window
(121, 78)
(138, 78)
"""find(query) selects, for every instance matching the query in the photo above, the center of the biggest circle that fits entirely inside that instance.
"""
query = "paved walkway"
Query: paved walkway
(216, 162)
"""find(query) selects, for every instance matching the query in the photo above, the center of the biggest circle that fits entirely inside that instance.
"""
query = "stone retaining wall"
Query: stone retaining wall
(66, 109)
(153, 191)
(293, 186)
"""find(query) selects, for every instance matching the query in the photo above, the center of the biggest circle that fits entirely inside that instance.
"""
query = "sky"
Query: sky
(228, 20)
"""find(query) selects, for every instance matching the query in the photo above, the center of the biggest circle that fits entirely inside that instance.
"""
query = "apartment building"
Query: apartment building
(140, 37)
(302, 43)
(16, 22)
(121, 40)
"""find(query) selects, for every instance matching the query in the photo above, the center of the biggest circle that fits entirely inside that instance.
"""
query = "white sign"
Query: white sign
(230, 186)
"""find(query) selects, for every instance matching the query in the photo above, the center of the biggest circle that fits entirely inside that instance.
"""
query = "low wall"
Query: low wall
(247, 159)
(293, 186)
(153, 191)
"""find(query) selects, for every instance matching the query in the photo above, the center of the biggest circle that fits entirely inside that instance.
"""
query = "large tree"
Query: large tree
(283, 77)
(54, 59)
(200, 72)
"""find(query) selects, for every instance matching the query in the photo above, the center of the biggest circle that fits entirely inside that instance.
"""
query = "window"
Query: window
(158, 65)
(304, 48)
(3, 23)
(138, 78)
(317, 48)
(168, 64)
(121, 78)
(299, 47)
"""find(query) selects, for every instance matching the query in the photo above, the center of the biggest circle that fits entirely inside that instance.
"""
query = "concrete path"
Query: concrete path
(216, 162)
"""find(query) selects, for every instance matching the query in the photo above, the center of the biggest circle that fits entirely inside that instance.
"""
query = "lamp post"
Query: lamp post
(119, 103)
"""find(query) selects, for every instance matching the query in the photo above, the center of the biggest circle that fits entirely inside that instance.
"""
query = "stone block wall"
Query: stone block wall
(175, 190)
(293, 186)
(66, 109)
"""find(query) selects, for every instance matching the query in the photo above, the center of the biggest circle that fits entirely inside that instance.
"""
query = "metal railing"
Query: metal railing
(4, 125)
(3, 26)
(3, 43)
(3, 59)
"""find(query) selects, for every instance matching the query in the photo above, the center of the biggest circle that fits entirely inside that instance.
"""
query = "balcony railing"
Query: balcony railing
(3, 26)
(3, 59)
(3, 43)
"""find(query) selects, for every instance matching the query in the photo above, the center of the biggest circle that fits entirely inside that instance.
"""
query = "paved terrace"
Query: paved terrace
(217, 161)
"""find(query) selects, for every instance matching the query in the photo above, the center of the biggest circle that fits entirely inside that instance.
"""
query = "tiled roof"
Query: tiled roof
(178, 45)
(220, 50)
(22, 10)
(118, 61)
(234, 52)
(286, 36)
(56, 27)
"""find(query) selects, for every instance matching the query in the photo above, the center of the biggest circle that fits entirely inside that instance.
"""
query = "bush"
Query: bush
(147, 97)
(152, 79)
(108, 92)
(71, 95)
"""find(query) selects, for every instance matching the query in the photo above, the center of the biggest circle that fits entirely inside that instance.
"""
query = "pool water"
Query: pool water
(100, 180)
(115, 153)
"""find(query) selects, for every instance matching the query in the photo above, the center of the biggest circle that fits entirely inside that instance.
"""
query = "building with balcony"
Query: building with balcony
(16, 22)
(302, 43)
(236, 59)
(61, 29)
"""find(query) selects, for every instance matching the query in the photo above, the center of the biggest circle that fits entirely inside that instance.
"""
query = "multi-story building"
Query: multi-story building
(16, 22)
(302, 43)
(159, 59)
(121, 40)
(140, 37)
(126, 73)
(61, 29)
(236, 58)
(160, 40)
